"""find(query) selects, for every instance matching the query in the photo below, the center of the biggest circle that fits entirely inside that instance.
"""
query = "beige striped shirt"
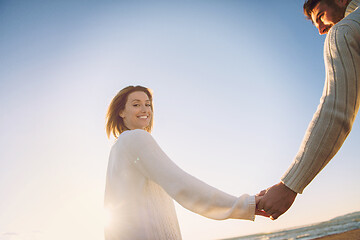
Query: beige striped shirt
(339, 104)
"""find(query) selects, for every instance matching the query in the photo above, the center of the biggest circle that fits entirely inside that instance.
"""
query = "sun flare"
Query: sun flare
(106, 217)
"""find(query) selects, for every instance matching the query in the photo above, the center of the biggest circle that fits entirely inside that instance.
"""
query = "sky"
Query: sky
(235, 86)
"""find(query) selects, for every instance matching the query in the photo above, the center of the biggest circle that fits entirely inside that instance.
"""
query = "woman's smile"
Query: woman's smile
(137, 113)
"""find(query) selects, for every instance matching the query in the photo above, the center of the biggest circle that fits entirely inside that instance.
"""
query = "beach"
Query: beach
(353, 234)
(339, 228)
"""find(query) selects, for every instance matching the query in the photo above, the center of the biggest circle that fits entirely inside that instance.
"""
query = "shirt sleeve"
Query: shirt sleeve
(339, 104)
(188, 191)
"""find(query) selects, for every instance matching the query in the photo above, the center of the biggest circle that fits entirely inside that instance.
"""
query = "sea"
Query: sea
(336, 225)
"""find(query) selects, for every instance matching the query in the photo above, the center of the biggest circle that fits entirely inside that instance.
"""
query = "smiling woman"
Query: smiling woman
(130, 109)
(141, 179)
(138, 111)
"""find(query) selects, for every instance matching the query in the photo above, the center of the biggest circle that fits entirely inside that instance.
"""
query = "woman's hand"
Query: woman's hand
(257, 200)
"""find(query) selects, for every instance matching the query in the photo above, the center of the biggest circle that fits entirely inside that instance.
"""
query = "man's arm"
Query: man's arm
(337, 110)
(331, 123)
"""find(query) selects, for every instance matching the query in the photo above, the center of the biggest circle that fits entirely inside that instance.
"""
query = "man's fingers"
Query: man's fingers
(262, 193)
(260, 205)
(274, 216)
(261, 213)
(271, 212)
(263, 205)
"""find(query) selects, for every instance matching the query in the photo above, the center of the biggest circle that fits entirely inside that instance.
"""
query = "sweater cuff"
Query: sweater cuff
(244, 208)
(252, 206)
(291, 183)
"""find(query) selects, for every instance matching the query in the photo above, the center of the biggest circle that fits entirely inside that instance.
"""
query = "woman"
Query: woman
(141, 179)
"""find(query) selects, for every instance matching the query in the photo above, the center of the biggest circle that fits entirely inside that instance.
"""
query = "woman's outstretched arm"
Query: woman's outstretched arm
(193, 194)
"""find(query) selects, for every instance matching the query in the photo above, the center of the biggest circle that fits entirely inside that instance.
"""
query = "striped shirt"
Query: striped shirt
(339, 104)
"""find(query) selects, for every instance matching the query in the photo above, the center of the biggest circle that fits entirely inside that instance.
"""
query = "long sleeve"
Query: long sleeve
(338, 106)
(143, 151)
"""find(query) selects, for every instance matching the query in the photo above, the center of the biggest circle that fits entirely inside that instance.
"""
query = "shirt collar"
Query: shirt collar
(353, 5)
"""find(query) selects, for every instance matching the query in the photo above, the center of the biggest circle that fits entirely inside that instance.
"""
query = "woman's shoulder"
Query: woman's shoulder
(134, 133)
(132, 139)
(130, 136)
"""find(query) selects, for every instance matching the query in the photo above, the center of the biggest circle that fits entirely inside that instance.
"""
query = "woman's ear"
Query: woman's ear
(121, 114)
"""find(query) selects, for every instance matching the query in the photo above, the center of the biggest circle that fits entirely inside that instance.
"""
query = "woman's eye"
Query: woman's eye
(148, 105)
(136, 105)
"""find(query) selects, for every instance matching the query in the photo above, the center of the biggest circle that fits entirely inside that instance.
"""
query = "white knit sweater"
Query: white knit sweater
(141, 182)
(339, 103)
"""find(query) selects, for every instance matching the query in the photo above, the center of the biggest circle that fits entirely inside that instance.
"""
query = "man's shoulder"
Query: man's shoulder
(343, 36)
(352, 15)
(351, 20)
(350, 25)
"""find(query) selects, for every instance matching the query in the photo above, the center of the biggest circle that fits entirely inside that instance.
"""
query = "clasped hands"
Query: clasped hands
(274, 201)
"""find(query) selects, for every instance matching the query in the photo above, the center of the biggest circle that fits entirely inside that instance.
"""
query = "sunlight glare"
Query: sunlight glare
(106, 217)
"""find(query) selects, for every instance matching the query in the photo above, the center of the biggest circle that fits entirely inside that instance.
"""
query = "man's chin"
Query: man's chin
(326, 30)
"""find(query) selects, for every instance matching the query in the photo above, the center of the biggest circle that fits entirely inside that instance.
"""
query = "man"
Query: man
(339, 104)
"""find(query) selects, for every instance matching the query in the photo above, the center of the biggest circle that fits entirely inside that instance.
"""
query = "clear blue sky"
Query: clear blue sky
(235, 85)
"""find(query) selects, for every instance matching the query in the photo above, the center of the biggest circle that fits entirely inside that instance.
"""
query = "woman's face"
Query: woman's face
(137, 113)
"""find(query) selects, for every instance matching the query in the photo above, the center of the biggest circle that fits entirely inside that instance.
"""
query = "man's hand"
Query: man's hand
(277, 200)
(257, 199)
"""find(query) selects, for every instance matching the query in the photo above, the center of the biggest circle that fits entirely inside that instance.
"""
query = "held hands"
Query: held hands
(275, 201)
(258, 197)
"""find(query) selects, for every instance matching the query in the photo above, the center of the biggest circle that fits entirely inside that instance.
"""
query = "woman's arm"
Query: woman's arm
(188, 191)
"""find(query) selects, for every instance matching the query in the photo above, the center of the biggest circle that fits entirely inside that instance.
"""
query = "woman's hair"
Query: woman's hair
(115, 123)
